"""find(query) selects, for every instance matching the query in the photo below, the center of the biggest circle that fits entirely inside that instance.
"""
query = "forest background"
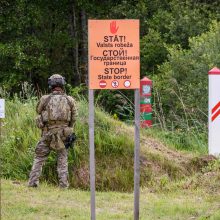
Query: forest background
(179, 41)
(179, 44)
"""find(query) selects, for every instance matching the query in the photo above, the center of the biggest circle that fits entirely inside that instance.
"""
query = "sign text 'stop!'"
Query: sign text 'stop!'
(114, 54)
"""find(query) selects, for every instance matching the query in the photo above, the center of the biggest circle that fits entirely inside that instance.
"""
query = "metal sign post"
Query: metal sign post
(92, 152)
(114, 63)
(137, 155)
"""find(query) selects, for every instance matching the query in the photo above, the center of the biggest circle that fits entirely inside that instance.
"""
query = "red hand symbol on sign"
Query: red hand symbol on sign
(113, 27)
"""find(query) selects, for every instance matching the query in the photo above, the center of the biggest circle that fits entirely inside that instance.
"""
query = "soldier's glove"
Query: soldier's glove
(69, 142)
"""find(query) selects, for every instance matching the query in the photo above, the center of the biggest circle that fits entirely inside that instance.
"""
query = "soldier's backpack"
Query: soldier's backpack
(57, 108)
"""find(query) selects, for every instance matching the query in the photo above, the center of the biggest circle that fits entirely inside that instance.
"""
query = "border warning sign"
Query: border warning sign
(114, 54)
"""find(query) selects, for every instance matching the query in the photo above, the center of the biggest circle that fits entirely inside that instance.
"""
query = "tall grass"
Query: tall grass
(114, 145)
(183, 133)
(181, 129)
(114, 148)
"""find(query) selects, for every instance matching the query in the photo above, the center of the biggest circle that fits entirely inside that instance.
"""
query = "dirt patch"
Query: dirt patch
(159, 165)
(165, 161)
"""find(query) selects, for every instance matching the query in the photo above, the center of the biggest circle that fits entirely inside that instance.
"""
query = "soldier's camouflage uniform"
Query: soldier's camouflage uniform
(56, 117)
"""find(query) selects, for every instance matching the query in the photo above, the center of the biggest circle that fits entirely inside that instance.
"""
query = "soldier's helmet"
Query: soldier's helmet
(56, 80)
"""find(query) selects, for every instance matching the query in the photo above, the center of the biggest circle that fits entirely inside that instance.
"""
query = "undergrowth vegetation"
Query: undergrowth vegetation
(114, 154)
(114, 143)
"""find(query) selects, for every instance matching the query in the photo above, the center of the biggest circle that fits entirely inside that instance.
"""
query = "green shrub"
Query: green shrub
(183, 80)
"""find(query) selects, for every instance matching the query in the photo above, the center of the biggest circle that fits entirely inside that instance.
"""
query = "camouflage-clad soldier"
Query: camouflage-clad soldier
(56, 118)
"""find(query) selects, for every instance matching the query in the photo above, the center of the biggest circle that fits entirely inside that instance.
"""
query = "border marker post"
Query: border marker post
(146, 102)
(2, 114)
(214, 111)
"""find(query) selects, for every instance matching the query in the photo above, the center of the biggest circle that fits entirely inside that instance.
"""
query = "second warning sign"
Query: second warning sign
(114, 54)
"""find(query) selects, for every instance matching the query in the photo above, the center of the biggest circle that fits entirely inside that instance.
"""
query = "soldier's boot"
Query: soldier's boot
(62, 168)
(41, 154)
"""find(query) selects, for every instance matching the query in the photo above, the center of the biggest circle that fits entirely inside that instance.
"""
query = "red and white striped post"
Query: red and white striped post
(145, 102)
(214, 111)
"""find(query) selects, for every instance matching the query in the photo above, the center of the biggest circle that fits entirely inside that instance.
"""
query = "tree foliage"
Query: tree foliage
(183, 79)
(39, 38)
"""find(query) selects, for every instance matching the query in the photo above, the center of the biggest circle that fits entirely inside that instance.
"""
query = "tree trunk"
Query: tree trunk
(84, 66)
(76, 77)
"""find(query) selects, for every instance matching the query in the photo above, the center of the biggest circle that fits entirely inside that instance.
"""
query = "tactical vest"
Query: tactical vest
(57, 108)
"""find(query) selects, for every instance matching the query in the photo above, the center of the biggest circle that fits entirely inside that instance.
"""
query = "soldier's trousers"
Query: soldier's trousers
(42, 152)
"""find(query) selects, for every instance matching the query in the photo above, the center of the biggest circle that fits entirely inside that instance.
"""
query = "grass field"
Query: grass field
(179, 180)
(48, 202)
